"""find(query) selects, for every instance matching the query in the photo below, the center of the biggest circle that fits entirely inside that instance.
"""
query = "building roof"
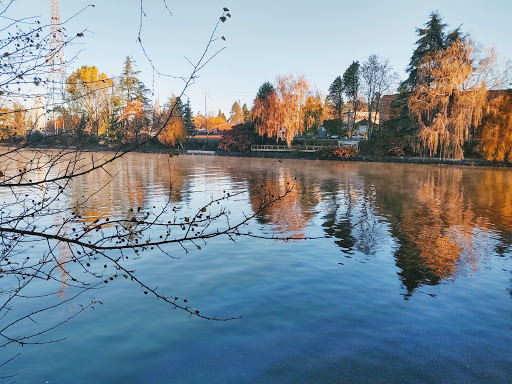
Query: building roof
(224, 127)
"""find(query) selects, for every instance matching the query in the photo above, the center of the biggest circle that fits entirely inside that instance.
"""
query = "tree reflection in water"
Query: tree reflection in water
(443, 220)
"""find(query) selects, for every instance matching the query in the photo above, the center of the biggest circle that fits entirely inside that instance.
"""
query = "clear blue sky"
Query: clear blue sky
(264, 38)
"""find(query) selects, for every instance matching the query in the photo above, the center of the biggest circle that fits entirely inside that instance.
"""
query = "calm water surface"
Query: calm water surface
(409, 280)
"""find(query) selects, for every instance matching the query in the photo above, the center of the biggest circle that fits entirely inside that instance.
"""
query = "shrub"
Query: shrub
(387, 142)
(238, 139)
(35, 137)
(345, 152)
(332, 153)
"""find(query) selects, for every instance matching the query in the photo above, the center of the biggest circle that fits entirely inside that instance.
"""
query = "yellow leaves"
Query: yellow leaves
(88, 77)
(133, 110)
(445, 104)
(497, 129)
(90, 89)
(174, 131)
(281, 113)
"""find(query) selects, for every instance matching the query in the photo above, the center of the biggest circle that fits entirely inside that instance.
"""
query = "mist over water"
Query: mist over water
(408, 278)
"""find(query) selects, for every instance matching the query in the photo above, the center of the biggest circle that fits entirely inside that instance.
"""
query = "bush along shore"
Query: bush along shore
(210, 146)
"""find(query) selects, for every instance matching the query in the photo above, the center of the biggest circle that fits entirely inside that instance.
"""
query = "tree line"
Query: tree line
(443, 108)
(453, 102)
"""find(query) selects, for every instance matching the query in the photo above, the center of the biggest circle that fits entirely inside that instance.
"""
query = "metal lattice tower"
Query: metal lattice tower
(56, 65)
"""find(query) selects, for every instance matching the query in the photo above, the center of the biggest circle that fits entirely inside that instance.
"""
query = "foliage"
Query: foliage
(90, 92)
(377, 77)
(345, 152)
(133, 120)
(247, 113)
(387, 142)
(335, 97)
(222, 117)
(129, 87)
(215, 121)
(175, 130)
(265, 89)
(113, 134)
(335, 127)
(280, 114)
(200, 122)
(238, 139)
(237, 115)
(432, 39)
(313, 113)
(445, 103)
(351, 85)
(13, 122)
(496, 141)
(337, 152)
(35, 137)
(188, 119)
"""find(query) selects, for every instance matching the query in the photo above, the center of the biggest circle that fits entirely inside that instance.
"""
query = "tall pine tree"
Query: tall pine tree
(188, 119)
(432, 39)
(129, 87)
(335, 96)
(351, 85)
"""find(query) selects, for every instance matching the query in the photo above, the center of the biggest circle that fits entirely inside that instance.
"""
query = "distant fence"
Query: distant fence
(285, 148)
(199, 152)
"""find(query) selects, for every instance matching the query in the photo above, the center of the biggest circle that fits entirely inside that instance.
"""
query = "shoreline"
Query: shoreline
(295, 155)
(371, 159)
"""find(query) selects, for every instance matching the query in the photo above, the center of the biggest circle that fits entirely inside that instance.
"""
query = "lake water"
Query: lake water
(407, 278)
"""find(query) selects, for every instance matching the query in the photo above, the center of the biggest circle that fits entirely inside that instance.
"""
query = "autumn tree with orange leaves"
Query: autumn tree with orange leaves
(496, 142)
(280, 114)
(175, 130)
(448, 101)
(91, 93)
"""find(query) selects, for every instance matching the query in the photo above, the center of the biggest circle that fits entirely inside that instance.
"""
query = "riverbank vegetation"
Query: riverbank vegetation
(453, 104)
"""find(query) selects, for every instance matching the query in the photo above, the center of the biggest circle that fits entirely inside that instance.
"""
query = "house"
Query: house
(362, 127)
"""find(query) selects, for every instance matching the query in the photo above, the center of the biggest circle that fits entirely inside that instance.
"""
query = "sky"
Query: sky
(264, 39)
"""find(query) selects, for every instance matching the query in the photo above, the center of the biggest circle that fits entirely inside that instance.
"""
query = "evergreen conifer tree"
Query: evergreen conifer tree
(247, 113)
(129, 87)
(188, 119)
(431, 39)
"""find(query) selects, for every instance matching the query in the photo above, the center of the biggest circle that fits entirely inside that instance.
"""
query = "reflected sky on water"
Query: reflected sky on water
(407, 280)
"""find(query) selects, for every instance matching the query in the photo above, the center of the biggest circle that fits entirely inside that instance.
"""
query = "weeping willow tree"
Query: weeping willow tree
(279, 112)
(448, 100)
(496, 140)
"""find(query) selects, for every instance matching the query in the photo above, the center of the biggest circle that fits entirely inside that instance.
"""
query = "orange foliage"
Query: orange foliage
(292, 213)
(92, 90)
(174, 131)
(133, 110)
(281, 113)
(444, 103)
(497, 129)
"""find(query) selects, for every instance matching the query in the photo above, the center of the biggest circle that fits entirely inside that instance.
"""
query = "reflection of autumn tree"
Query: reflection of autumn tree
(351, 216)
(127, 190)
(340, 228)
(494, 194)
(441, 223)
(443, 217)
(293, 213)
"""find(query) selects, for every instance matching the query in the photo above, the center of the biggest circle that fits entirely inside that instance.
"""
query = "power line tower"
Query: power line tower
(56, 68)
